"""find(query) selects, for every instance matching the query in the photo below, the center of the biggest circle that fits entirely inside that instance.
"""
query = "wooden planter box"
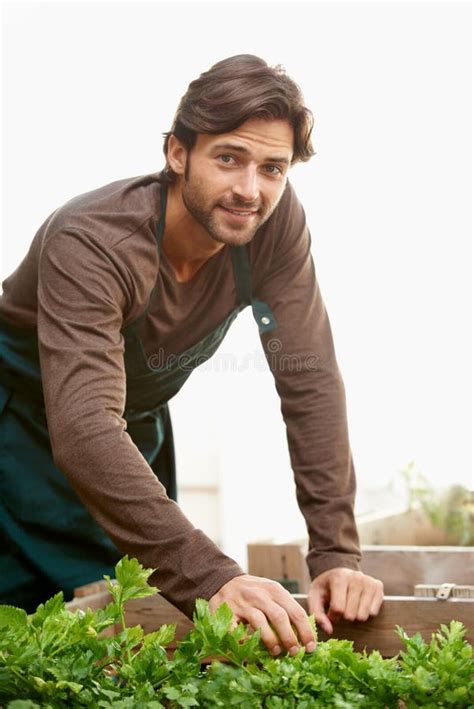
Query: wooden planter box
(412, 613)
(400, 568)
(404, 571)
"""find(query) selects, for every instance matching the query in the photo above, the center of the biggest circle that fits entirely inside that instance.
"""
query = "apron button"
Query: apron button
(265, 320)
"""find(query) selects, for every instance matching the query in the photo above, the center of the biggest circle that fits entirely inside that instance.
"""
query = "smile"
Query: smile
(239, 213)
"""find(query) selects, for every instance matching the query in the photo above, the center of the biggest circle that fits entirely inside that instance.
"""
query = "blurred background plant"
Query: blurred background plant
(450, 509)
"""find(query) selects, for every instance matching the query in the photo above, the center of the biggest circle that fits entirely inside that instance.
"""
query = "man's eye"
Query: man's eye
(273, 169)
(226, 159)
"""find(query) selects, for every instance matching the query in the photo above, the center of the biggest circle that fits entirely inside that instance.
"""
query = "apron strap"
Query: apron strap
(242, 274)
(243, 287)
(160, 226)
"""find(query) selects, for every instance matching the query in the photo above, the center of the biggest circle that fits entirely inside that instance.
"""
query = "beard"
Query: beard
(213, 217)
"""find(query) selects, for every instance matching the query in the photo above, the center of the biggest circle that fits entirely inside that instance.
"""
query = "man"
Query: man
(163, 264)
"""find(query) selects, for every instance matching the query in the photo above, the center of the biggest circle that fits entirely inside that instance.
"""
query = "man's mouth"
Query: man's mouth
(243, 213)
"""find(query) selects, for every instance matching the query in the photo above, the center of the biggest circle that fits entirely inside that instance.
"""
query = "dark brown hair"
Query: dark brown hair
(232, 91)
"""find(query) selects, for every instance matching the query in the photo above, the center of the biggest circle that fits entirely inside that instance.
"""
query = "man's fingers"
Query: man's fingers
(317, 606)
(289, 620)
(267, 605)
(234, 623)
(377, 599)
(289, 623)
(354, 598)
(282, 626)
(281, 623)
(298, 619)
(258, 620)
(370, 599)
(338, 587)
(365, 602)
(350, 594)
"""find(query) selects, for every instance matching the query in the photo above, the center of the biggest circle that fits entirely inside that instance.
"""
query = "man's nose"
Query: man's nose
(246, 185)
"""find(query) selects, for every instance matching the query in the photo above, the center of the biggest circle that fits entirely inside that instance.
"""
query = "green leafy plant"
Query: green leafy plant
(55, 659)
(450, 509)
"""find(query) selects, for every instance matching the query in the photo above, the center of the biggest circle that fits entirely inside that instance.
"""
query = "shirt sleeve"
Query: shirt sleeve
(301, 356)
(83, 291)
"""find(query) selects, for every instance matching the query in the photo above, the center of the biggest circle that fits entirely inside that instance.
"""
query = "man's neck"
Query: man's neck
(187, 245)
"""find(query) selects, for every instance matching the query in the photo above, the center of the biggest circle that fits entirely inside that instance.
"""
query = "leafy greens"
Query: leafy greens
(56, 658)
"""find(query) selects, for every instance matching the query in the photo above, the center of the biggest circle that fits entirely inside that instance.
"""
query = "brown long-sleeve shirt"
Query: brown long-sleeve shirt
(89, 271)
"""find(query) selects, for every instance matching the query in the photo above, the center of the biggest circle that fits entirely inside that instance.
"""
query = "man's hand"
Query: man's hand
(265, 604)
(344, 593)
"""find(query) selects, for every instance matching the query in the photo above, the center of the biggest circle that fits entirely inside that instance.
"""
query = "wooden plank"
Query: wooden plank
(94, 601)
(423, 615)
(399, 567)
(154, 611)
(283, 562)
(90, 589)
(402, 567)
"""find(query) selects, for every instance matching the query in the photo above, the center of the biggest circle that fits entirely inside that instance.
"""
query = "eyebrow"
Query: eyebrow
(245, 151)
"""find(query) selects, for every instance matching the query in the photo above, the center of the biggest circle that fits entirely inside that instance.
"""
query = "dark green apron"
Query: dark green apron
(48, 539)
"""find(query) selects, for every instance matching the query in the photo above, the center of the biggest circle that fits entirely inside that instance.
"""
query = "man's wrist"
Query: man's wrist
(318, 562)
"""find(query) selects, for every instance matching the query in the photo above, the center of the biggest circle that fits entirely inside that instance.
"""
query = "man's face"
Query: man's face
(233, 181)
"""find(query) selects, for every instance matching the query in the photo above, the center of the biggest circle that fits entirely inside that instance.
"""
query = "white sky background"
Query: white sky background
(89, 89)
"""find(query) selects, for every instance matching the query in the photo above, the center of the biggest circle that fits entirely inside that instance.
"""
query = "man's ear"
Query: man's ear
(176, 155)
